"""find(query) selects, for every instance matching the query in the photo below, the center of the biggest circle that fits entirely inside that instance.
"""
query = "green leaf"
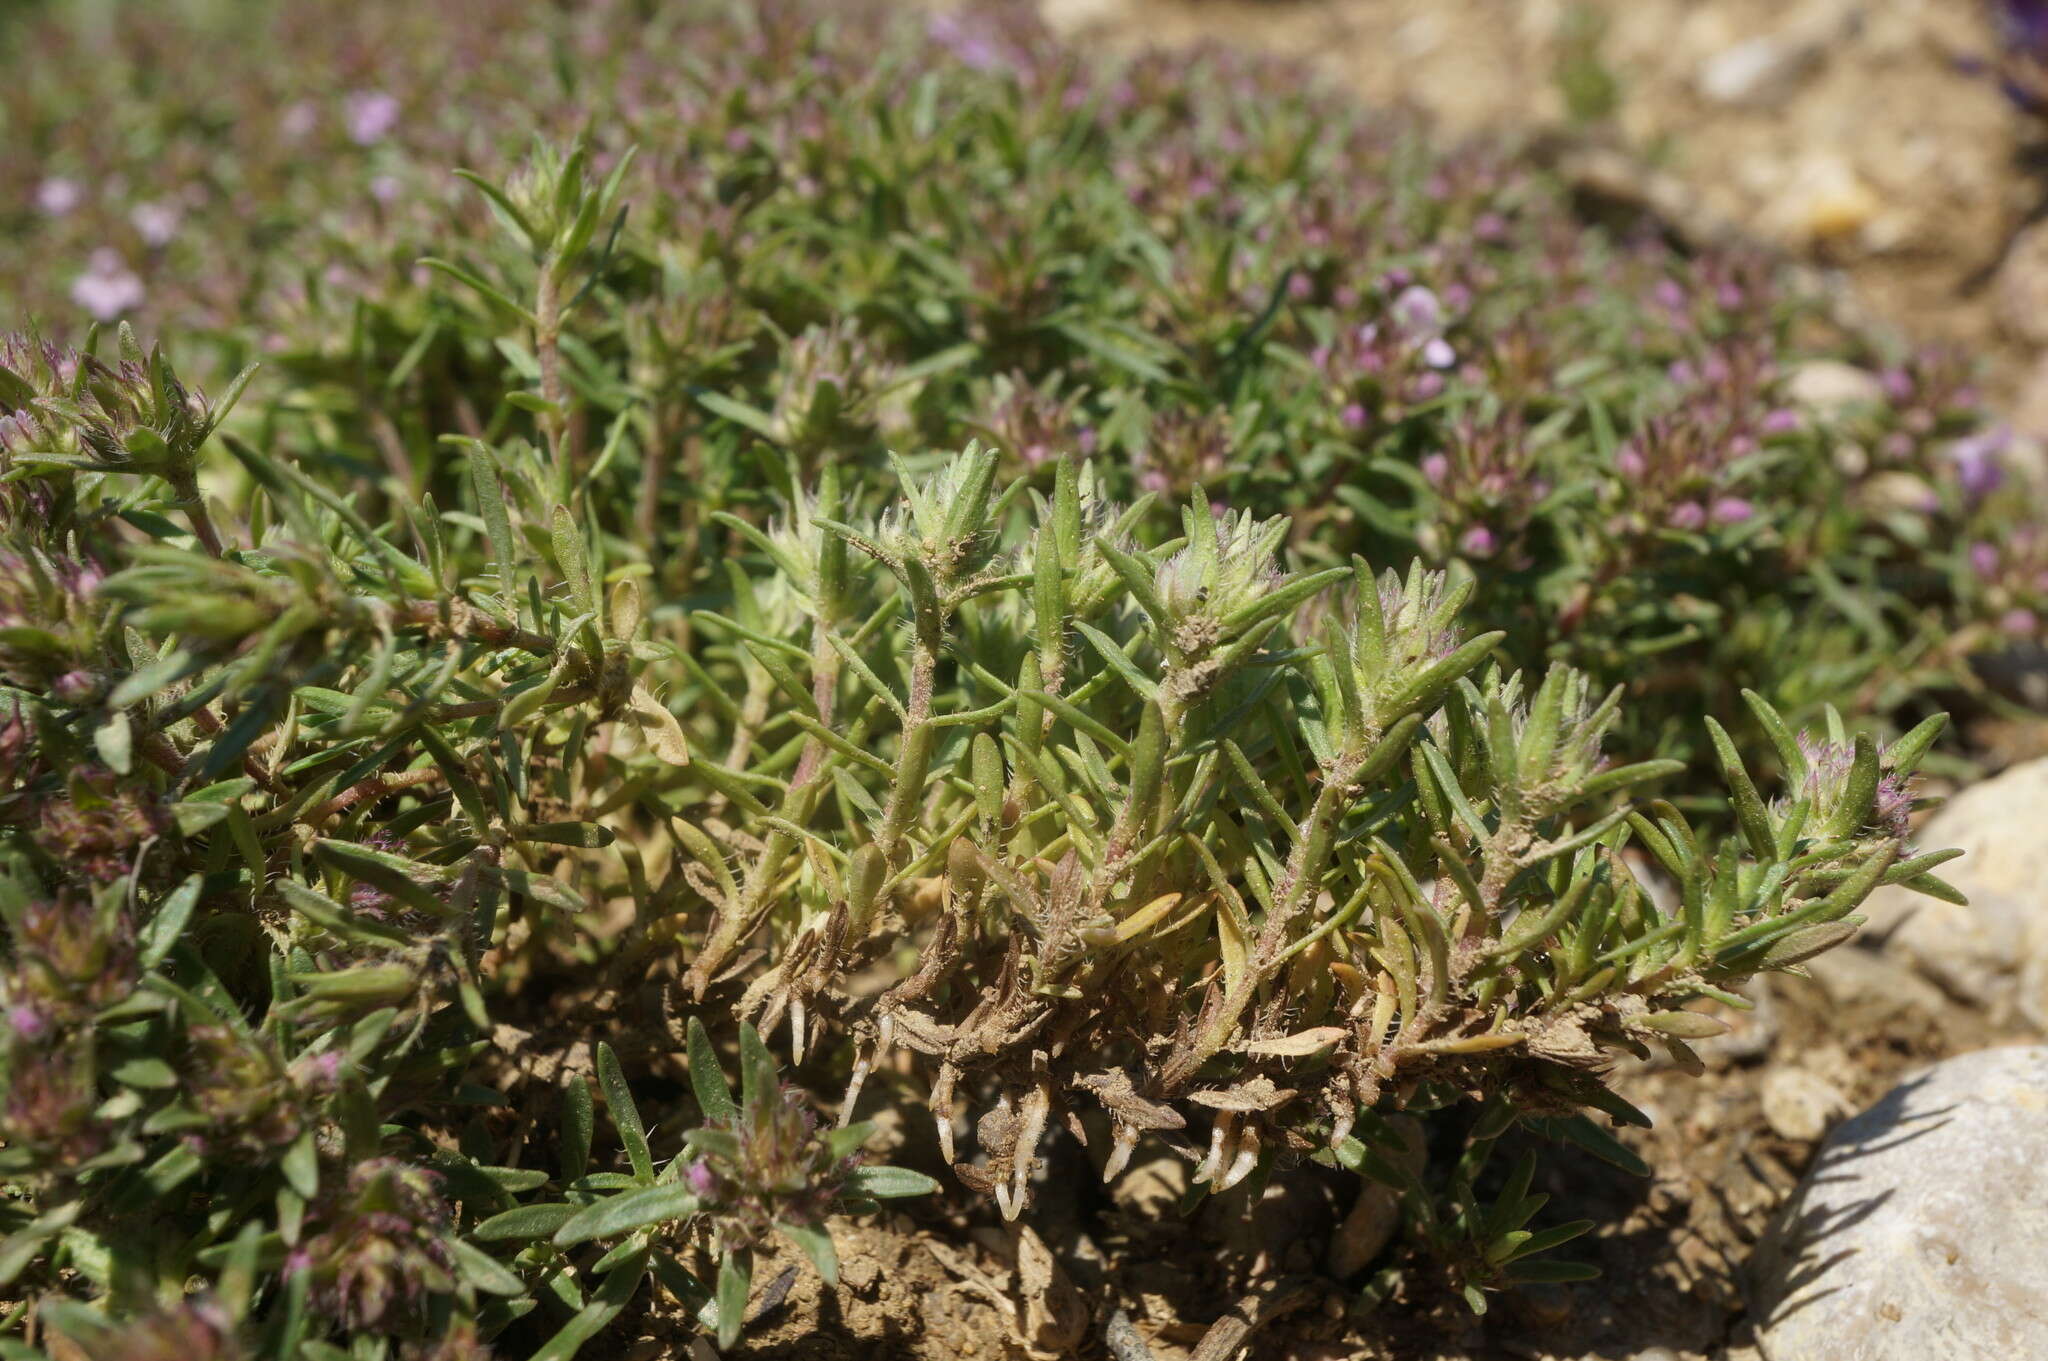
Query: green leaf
(618, 1099)
(888, 1183)
(115, 742)
(167, 924)
(604, 1306)
(707, 1080)
(757, 1068)
(817, 1245)
(626, 1212)
(735, 1277)
(301, 1166)
(483, 1271)
(579, 1122)
(525, 1224)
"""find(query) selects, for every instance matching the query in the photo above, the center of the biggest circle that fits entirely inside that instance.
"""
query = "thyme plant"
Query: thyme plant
(1233, 719)
(1233, 851)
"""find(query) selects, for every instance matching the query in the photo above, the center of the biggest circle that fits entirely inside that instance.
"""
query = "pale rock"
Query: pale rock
(1895, 489)
(1977, 952)
(1761, 70)
(1824, 200)
(1829, 387)
(1069, 17)
(1873, 986)
(1799, 1103)
(2020, 294)
(1920, 1229)
(2030, 408)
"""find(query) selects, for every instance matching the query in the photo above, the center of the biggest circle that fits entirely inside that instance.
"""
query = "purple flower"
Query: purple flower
(1630, 460)
(1354, 416)
(384, 188)
(57, 196)
(108, 288)
(1477, 542)
(1782, 421)
(1984, 560)
(155, 223)
(2023, 23)
(2020, 623)
(1418, 311)
(1980, 463)
(1731, 510)
(28, 1023)
(371, 115)
(1687, 515)
(1438, 354)
(1435, 468)
(1828, 768)
(970, 43)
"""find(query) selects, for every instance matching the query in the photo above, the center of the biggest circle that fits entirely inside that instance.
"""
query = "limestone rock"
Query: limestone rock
(2020, 293)
(1919, 1230)
(1829, 387)
(1799, 1103)
(1757, 71)
(1976, 952)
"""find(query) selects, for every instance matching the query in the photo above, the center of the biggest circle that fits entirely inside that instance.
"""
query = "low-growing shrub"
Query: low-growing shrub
(1166, 829)
(1223, 724)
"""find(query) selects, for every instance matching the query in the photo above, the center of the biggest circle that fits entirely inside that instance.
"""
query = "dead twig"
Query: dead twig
(1254, 1312)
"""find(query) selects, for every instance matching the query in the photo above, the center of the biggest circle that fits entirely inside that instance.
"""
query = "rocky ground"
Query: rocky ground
(1863, 137)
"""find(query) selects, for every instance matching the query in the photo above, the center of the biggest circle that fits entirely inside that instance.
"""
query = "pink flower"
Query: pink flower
(1630, 461)
(57, 196)
(371, 114)
(1438, 354)
(108, 288)
(1984, 559)
(27, 1022)
(1687, 515)
(1783, 421)
(1731, 510)
(1435, 468)
(155, 223)
(1353, 416)
(1477, 542)
(2020, 623)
